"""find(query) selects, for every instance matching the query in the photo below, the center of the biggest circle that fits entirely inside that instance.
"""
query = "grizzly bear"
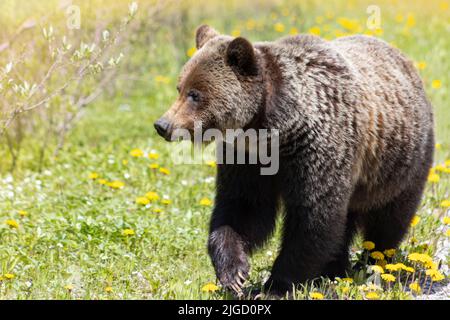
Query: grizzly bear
(356, 144)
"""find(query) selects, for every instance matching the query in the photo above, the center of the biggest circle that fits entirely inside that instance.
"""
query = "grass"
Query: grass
(70, 242)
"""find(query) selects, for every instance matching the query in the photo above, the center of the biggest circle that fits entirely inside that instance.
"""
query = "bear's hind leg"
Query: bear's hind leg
(386, 226)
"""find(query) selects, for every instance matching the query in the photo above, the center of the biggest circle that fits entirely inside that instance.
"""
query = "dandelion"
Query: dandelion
(210, 287)
(157, 210)
(436, 84)
(191, 51)
(431, 265)
(93, 175)
(316, 295)
(447, 233)
(137, 153)
(377, 255)
(414, 257)
(68, 287)
(368, 245)
(128, 232)
(392, 267)
(410, 20)
(164, 171)
(293, 31)
(377, 269)
(152, 196)
(205, 202)
(409, 269)
(9, 276)
(421, 65)
(389, 253)
(435, 275)
(438, 146)
(388, 277)
(278, 27)
(161, 79)
(142, 200)
(166, 201)
(22, 213)
(236, 33)
(348, 280)
(433, 178)
(446, 204)
(447, 163)
(211, 164)
(108, 289)
(372, 295)
(314, 31)
(153, 166)
(13, 224)
(446, 220)
(153, 155)
(415, 220)
(102, 181)
(116, 184)
(125, 162)
(415, 287)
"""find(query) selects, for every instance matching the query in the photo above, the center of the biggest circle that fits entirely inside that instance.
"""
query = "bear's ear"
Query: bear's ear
(203, 34)
(241, 57)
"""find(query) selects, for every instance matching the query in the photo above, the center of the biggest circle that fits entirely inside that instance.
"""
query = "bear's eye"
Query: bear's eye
(193, 96)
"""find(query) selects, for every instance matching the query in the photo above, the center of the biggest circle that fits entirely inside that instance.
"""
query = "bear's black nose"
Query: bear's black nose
(162, 127)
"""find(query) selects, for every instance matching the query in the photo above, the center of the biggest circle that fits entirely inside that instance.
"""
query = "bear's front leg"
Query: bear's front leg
(314, 230)
(242, 219)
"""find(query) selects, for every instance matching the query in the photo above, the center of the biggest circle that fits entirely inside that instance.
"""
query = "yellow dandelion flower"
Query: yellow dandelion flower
(137, 153)
(166, 201)
(293, 31)
(128, 232)
(142, 200)
(102, 181)
(205, 202)
(316, 295)
(162, 79)
(446, 220)
(12, 223)
(108, 289)
(414, 257)
(278, 27)
(377, 269)
(349, 280)
(153, 155)
(439, 168)
(191, 51)
(68, 287)
(116, 184)
(433, 178)
(153, 166)
(93, 175)
(372, 295)
(211, 164)
(435, 275)
(421, 65)
(388, 277)
(392, 267)
(368, 245)
(210, 287)
(389, 253)
(447, 233)
(415, 287)
(236, 33)
(431, 265)
(447, 163)
(436, 84)
(410, 20)
(377, 255)
(345, 290)
(152, 196)
(164, 171)
(445, 204)
(409, 269)
(22, 213)
(314, 30)
(415, 220)
(157, 210)
(400, 265)
(9, 276)
(125, 162)
(438, 146)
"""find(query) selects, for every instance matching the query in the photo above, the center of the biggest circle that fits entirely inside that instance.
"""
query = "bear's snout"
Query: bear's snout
(162, 126)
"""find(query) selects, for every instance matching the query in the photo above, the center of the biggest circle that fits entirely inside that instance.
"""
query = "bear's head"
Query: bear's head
(220, 87)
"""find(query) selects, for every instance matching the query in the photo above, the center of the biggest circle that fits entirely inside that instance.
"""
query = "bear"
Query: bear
(356, 140)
